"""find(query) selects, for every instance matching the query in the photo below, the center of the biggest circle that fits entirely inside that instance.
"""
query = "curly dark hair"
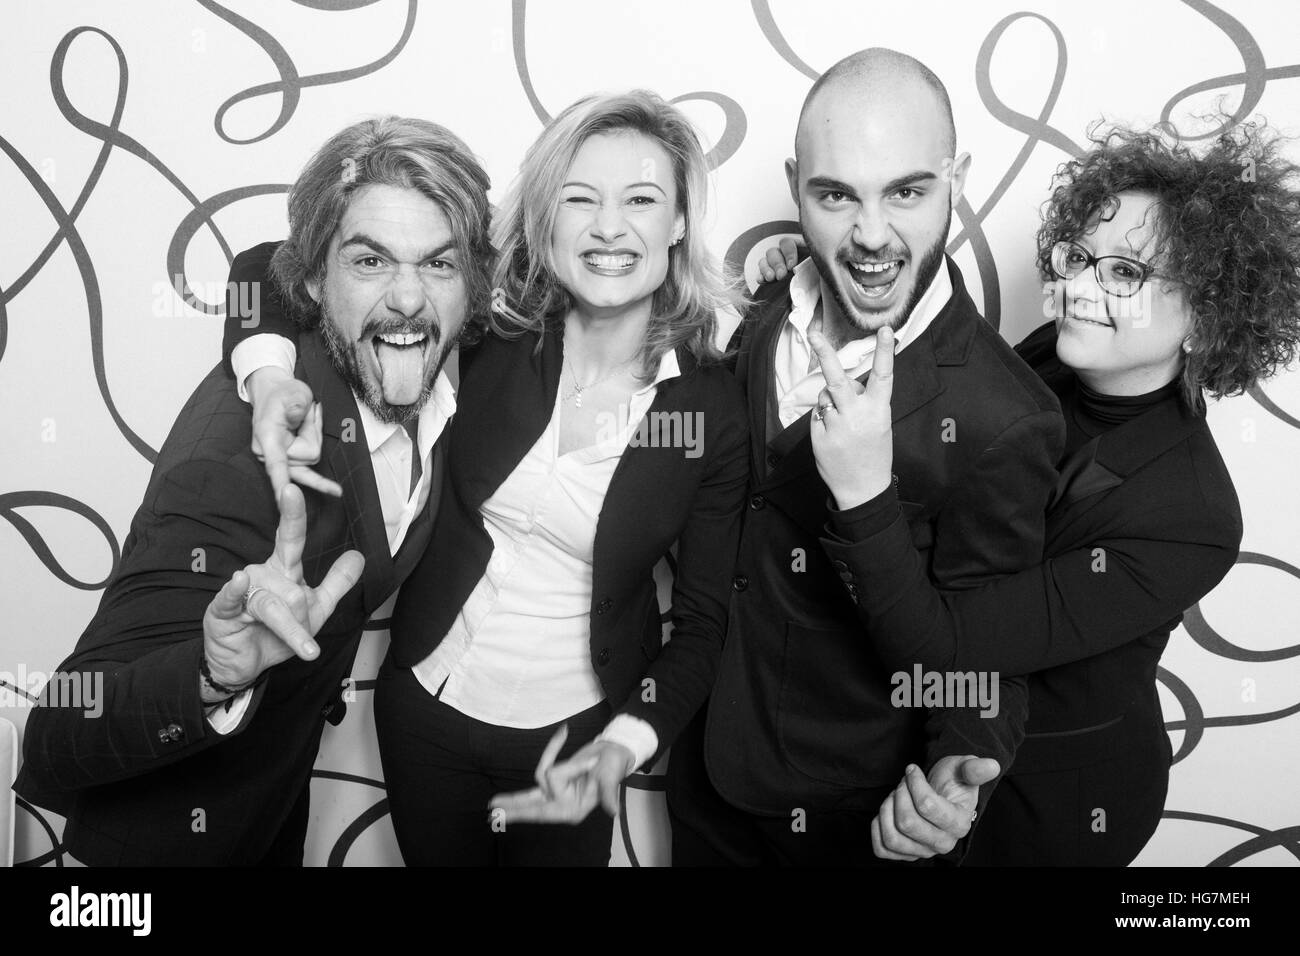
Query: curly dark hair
(1227, 227)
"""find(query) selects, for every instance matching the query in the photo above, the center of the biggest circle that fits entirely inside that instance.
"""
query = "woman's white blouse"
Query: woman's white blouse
(519, 651)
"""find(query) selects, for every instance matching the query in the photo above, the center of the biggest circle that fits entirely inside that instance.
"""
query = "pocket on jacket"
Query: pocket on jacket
(834, 719)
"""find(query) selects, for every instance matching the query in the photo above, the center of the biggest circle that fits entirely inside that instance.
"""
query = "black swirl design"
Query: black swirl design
(291, 84)
(49, 499)
(1209, 638)
(1196, 21)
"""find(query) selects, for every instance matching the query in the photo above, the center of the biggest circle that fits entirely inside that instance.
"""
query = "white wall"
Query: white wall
(97, 355)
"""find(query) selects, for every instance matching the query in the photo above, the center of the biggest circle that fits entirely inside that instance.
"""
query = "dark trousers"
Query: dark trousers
(442, 768)
(1099, 815)
(709, 831)
(289, 844)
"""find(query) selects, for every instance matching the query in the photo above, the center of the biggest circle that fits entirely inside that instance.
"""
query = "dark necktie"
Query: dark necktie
(417, 467)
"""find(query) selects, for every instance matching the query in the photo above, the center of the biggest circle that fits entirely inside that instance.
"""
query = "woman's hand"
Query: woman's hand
(567, 792)
(780, 260)
(852, 427)
(287, 432)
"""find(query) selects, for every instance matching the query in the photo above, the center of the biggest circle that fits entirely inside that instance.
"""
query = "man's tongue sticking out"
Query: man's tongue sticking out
(401, 369)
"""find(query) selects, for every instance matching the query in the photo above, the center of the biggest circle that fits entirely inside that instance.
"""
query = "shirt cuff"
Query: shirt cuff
(226, 717)
(259, 351)
(633, 733)
(862, 521)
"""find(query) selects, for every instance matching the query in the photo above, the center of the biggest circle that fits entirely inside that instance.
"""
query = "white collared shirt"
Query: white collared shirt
(390, 453)
(519, 651)
(799, 378)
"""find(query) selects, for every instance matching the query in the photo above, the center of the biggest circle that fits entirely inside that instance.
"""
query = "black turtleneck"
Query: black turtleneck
(1089, 413)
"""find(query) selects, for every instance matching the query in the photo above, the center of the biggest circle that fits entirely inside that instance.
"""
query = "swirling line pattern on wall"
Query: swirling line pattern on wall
(1037, 132)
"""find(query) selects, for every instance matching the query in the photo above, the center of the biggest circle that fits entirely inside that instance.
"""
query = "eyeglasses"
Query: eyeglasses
(1117, 275)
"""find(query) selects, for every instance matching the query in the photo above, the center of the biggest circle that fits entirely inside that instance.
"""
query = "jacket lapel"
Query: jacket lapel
(347, 456)
(916, 381)
(523, 382)
(754, 369)
(1106, 461)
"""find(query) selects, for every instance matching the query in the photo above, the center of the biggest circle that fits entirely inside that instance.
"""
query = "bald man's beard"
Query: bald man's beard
(926, 268)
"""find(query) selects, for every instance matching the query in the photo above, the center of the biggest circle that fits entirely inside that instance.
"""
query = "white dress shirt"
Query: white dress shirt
(799, 378)
(390, 455)
(519, 652)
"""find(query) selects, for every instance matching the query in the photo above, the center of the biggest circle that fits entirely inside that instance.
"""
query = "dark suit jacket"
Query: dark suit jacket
(1144, 521)
(658, 495)
(132, 781)
(801, 713)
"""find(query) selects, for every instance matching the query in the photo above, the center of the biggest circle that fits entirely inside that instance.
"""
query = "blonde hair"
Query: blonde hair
(527, 294)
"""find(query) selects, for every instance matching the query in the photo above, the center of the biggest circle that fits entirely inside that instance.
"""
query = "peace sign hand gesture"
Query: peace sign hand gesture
(852, 427)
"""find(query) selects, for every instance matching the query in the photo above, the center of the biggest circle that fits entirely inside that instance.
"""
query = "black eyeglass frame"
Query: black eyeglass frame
(1145, 271)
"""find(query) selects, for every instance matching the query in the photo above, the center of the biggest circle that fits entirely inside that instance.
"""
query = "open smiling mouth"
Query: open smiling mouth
(610, 263)
(875, 280)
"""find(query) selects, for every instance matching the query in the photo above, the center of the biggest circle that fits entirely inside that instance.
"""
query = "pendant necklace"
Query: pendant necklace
(578, 388)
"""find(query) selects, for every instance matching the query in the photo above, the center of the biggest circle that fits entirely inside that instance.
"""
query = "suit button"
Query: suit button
(840, 565)
(604, 606)
(846, 576)
(740, 582)
(603, 657)
(757, 502)
(171, 733)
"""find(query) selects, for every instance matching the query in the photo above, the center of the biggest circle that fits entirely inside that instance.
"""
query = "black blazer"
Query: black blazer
(1143, 522)
(801, 710)
(130, 781)
(658, 496)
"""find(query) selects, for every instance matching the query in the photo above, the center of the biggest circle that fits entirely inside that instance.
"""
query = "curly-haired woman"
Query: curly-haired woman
(1173, 273)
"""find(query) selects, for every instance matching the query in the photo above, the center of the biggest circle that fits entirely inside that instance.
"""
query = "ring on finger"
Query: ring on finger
(248, 595)
(820, 414)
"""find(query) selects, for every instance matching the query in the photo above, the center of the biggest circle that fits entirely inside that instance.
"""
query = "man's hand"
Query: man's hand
(780, 260)
(568, 792)
(282, 617)
(924, 818)
(852, 427)
(287, 430)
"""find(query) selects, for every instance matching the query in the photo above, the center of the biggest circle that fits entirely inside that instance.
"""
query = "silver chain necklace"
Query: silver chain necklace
(579, 388)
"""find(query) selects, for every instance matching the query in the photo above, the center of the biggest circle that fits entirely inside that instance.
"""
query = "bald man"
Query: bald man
(807, 735)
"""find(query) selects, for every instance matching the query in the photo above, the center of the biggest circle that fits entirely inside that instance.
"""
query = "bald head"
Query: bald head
(876, 183)
(880, 80)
